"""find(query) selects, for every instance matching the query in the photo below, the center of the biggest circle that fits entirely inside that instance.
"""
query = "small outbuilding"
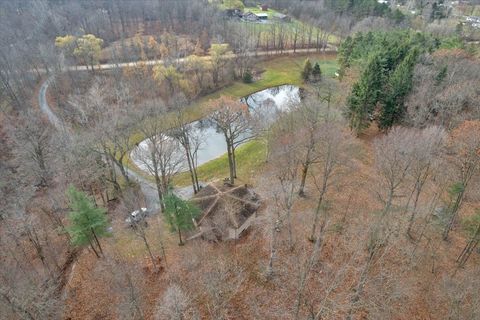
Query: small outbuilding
(264, 7)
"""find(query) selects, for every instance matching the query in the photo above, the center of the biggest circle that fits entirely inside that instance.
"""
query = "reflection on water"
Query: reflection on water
(265, 104)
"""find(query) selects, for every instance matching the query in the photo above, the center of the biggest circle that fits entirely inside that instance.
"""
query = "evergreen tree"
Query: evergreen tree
(179, 214)
(247, 76)
(365, 94)
(88, 223)
(399, 85)
(344, 55)
(317, 72)
(307, 70)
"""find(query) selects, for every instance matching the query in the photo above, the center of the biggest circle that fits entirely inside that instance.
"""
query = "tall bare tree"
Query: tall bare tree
(231, 117)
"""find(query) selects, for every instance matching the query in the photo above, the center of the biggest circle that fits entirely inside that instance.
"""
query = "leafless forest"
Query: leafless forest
(239, 159)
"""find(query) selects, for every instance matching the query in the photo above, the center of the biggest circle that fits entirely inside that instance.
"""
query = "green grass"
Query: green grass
(250, 156)
(270, 11)
(289, 26)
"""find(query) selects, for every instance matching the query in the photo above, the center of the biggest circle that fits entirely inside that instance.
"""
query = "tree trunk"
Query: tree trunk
(93, 248)
(318, 209)
(144, 238)
(231, 164)
(301, 191)
(360, 286)
(234, 161)
(273, 248)
(454, 212)
(308, 267)
(469, 248)
(180, 237)
(414, 212)
(158, 183)
(97, 242)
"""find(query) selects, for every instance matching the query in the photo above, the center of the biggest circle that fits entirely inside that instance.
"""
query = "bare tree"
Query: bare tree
(35, 148)
(231, 118)
(159, 153)
(309, 264)
(464, 148)
(426, 149)
(175, 304)
(185, 133)
(285, 163)
(392, 163)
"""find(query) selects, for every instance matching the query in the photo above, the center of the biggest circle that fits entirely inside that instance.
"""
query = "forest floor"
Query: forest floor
(237, 269)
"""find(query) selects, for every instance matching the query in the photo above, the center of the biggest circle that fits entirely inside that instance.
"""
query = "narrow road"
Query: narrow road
(148, 188)
(108, 66)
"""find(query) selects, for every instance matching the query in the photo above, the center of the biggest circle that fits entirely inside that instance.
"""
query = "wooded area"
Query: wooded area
(228, 159)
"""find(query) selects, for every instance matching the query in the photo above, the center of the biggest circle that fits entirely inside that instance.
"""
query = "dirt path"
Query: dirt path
(148, 188)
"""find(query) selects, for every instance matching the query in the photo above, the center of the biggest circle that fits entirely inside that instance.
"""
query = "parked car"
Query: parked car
(136, 217)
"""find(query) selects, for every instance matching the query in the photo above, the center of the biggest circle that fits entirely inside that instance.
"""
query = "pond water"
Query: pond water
(267, 103)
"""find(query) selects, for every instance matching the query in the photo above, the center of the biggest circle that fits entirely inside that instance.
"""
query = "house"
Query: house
(250, 16)
(227, 211)
(282, 17)
(262, 16)
(264, 7)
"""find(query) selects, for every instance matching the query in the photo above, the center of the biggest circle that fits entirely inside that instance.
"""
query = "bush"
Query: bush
(247, 77)
(307, 70)
(317, 72)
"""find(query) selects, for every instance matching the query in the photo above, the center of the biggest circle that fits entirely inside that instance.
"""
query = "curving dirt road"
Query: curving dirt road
(148, 188)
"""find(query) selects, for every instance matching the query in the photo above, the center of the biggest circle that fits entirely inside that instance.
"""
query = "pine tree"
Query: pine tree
(307, 70)
(366, 93)
(179, 214)
(344, 55)
(247, 77)
(88, 223)
(399, 85)
(317, 72)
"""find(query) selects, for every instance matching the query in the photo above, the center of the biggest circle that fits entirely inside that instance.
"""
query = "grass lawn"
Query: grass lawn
(270, 11)
(250, 156)
(290, 26)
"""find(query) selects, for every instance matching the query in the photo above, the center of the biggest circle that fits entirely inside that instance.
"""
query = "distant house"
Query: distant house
(250, 16)
(264, 7)
(282, 17)
(262, 16)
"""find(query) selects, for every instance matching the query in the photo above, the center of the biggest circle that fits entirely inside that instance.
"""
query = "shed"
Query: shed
(264, 7)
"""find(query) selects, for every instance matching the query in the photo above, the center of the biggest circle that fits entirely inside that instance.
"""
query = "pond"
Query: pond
(268, 103)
